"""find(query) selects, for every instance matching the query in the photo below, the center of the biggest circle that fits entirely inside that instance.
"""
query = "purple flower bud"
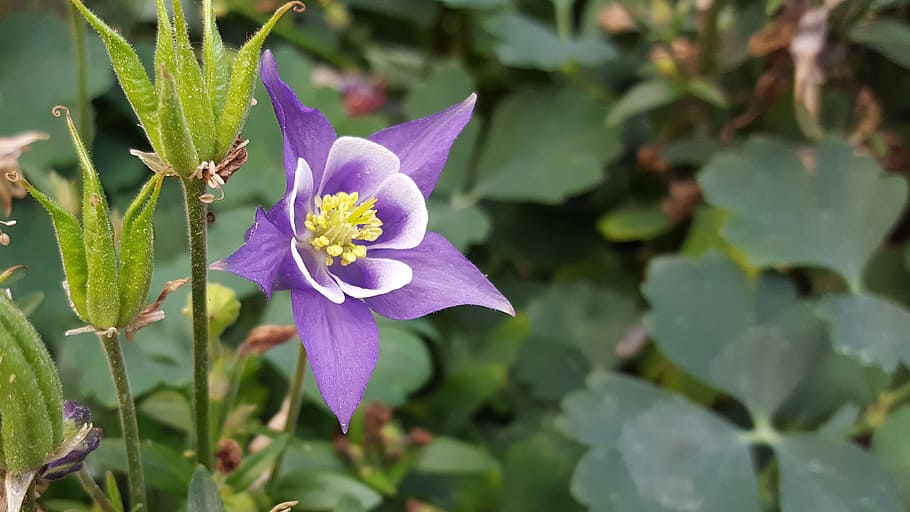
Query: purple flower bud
(79, 439)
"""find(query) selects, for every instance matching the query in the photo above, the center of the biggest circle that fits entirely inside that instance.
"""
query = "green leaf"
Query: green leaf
(654, 451)
(545, 154)
(450, 456)
(831, 213)
(752, 340)
(461, 225)
(112, 491)
(194, 95)
(37, 47)
(869, 328)
(536, 474)
(575, 328)
(170, 408)
(102, 282)
(889, 37)
(645, 96)
(890, 447)
(137, 251)
(525, 43)
(203, 495)
(821, 474)
(634, 222)
(128, 68)
(177, 147)
(165, 469)
(406, 366)
(446, 84)
(243, 80)
(324, 491)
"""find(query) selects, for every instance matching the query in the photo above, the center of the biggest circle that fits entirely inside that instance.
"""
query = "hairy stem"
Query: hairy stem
(91, 488)
(128, 425)
(196, 212)
(295, 401)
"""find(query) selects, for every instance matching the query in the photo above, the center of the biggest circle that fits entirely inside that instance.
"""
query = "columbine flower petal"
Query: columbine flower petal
(342, 344)
(260, 258)
(423, 145)
(442, 278)
(316, 273)
(403, 212)
(372, 276)
(357, 165)
(307, 133)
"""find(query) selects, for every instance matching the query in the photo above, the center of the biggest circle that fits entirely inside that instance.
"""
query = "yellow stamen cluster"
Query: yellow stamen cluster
(339, 221)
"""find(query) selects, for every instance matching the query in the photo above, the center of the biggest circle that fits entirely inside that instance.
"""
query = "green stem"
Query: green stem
(233, 391)
(128, 425)
(708, 38)
(876, 413)
(91, 488)
(563, 10)
(295, 401)
(197, 224)
(83, 106)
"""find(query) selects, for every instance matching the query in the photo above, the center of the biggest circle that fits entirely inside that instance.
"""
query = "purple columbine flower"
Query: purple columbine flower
(350, 236)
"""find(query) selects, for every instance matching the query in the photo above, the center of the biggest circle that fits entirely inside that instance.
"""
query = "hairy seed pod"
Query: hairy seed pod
(137, 251)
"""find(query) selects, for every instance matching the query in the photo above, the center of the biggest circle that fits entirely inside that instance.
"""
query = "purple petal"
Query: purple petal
(314, 271)
(307, 133)
(423, 145)
(369, 277)
(342, 344)
(403, 212)
(442, 278)
(357, 165)
(260, 257)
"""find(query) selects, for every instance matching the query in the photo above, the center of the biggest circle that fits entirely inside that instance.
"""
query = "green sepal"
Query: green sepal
(216, 61)
(192, 90)
(137, 251)
(101, 296)
(31, 400)
(165, 52)
(243, 80)
(72, 249)
(177, 146)
(133, 80)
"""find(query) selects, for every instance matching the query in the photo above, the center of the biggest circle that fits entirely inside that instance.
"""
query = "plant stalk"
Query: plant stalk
(128, 425)
(295, 401)
(196, 212)
(91, 488)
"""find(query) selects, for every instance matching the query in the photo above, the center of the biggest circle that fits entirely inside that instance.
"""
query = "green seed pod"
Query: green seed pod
(243, 79)
(165, 52)
(72, 249)
(30, 395)
(136, 251)
(133, 80)
(193, 94)
(102, 297)
(177, 145)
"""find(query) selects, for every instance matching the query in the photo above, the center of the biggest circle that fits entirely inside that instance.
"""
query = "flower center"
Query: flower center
(339, 221)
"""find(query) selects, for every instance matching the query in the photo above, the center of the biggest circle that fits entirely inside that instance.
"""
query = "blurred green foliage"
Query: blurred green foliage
(697, 208)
